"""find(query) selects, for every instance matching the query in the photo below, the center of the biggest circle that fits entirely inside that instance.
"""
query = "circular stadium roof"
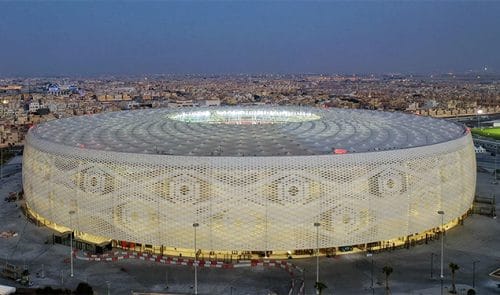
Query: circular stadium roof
(247, 131)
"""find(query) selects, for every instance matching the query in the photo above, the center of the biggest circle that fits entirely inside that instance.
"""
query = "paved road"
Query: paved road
(11, 168)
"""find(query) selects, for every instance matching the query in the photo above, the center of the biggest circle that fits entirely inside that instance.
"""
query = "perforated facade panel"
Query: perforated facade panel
(250, 203)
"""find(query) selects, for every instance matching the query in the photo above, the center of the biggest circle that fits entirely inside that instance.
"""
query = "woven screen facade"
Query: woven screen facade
(250, 203)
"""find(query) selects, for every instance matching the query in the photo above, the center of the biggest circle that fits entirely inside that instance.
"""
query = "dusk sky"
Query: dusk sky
(206, 37)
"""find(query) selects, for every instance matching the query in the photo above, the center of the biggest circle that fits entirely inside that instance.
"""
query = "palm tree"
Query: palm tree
(387, 270)
(453, 267)
(320, 286)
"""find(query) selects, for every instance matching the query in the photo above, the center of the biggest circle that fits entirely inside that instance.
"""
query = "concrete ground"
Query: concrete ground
(477, 240)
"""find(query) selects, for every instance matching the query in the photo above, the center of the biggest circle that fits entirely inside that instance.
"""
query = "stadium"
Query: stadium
(249, 178)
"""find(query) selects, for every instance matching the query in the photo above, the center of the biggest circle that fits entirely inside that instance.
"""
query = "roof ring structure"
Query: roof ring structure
(247, 131)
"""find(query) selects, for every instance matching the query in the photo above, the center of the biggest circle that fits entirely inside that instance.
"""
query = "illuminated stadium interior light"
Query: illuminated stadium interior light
(244, 116)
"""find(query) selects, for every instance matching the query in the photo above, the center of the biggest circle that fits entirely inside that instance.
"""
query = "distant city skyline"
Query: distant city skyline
(83, 38)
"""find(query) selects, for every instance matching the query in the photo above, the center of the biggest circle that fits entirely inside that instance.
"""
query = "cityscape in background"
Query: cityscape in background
(30, 101)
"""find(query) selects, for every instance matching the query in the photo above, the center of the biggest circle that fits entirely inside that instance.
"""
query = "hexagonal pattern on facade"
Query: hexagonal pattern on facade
(256, 179)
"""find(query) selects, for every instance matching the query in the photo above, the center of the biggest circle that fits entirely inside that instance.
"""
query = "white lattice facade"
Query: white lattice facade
(250, 203)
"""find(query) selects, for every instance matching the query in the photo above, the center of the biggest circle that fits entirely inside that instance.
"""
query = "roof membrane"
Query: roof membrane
(248, 131)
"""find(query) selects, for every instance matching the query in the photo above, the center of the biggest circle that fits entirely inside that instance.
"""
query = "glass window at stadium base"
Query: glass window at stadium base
(252, 178)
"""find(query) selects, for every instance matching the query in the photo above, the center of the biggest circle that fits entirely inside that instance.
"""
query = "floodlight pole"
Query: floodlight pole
(478, 112)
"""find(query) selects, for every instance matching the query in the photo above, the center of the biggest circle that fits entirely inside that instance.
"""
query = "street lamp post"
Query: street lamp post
(303, 280)
(1, 163)
(71, 241)
(195, 225)
(441, 212)
(4, 103)
(371, 272)
(317, 224)
(479, 112)
(495, 171)
(432, 264)
(474, 273)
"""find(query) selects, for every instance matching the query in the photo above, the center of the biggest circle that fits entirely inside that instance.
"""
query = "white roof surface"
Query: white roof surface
(247, 131)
